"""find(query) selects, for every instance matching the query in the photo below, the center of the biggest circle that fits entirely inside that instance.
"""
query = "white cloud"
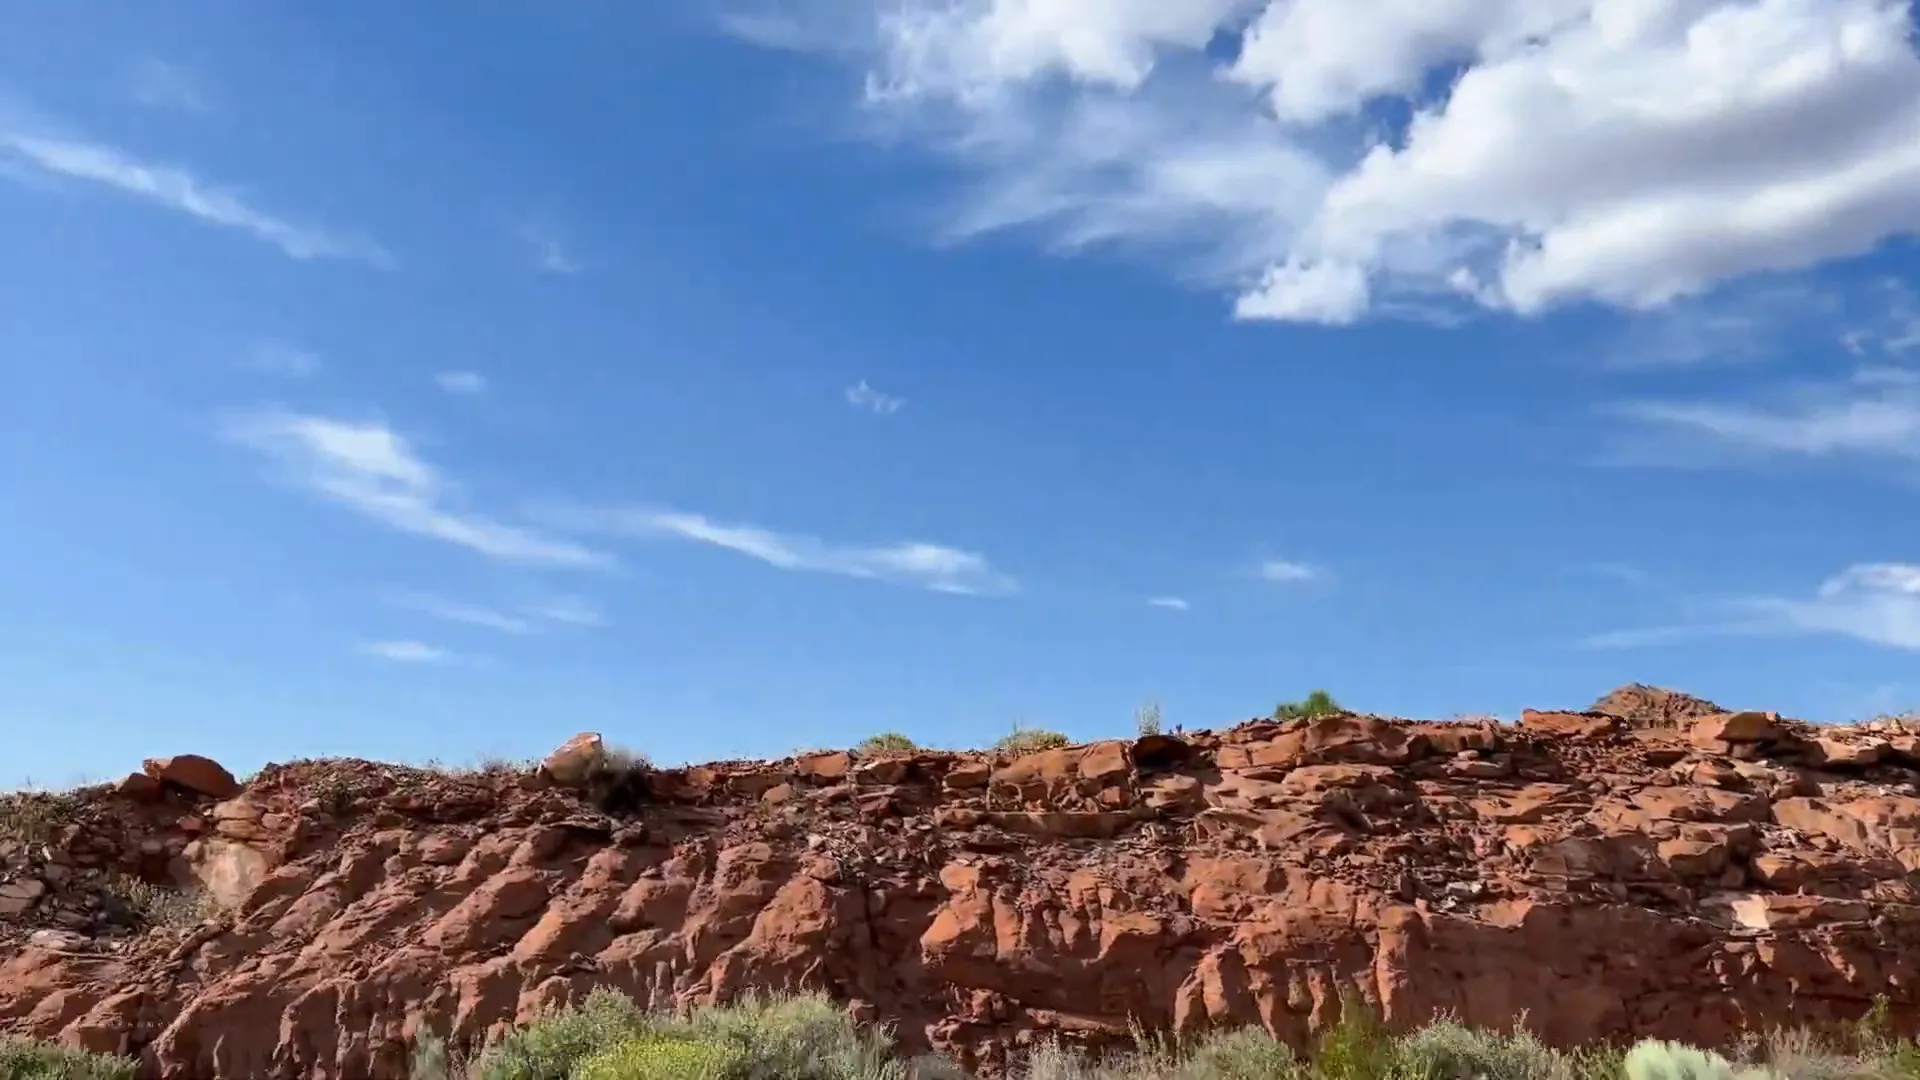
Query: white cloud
(1878, 603)
(178, 190)
(468, 614)
(567, 611)
(372, 470)
(1171, 603)
(1335, 293)
(924, 565)
(158, 84)
(862, 396)
(530, 618)
(1286, 571)
(462, 382)
(407, 652)
(1346, 157)
(1873, 413)
(1656, 636)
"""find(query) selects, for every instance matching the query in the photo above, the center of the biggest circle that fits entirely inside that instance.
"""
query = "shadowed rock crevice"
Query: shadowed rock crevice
(1647, 867)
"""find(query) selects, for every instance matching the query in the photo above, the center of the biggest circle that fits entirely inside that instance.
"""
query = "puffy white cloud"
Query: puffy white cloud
(1330, 158)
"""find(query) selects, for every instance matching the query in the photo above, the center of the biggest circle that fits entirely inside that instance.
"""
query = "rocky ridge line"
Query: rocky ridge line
(1648, 867)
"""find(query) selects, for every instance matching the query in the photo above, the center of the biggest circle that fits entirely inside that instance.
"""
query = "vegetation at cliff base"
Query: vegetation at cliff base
(609, 1037)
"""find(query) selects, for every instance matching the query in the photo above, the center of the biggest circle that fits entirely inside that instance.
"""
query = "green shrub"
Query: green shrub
(607, 1037)
(1447, 1050)
(795, 1038)
(1244, 1054)
(1318, 703)
(21, 1059)
(887, 742)
(550, 1047)
(656, 1057)
(1026, 740)
(1359, 1047)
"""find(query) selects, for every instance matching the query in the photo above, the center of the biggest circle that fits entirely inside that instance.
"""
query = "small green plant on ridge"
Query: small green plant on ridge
(1318, 703)
(1028, 740)
(887, 742)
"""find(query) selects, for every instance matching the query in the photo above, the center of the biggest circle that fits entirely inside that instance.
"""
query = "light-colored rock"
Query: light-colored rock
(574, 761)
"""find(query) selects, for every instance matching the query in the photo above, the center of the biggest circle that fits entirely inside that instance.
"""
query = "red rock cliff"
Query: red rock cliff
(1690, 876)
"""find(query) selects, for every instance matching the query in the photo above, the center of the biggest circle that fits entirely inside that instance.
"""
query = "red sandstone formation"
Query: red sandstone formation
(1648, 868)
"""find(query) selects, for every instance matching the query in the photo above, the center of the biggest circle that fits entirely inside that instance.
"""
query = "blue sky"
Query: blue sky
(438, 380)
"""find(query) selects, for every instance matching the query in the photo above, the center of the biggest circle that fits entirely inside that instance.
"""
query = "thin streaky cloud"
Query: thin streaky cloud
(467, 614)
(935, 567)
(530, 618)
(181, 191)
(566, 611)
(1873, 413)
(466, 383)
(862, 396)
(370, 469)
(1648, 637)
(1171, 603)
(407, 652)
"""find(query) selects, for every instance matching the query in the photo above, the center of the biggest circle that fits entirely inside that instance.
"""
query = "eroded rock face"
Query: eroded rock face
(1605, 876)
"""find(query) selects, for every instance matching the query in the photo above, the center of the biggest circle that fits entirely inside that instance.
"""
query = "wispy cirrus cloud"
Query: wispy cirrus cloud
(1170, 603)
(367, 467)
(530, 618)
(862, 396)
(177, 189)
(407, 652)
(1876, 603)
(566, 611)
(1874, 413)
(465, 614)
(936, 567)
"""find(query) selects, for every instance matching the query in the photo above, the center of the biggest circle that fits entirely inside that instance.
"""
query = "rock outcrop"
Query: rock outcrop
(1691, 876)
